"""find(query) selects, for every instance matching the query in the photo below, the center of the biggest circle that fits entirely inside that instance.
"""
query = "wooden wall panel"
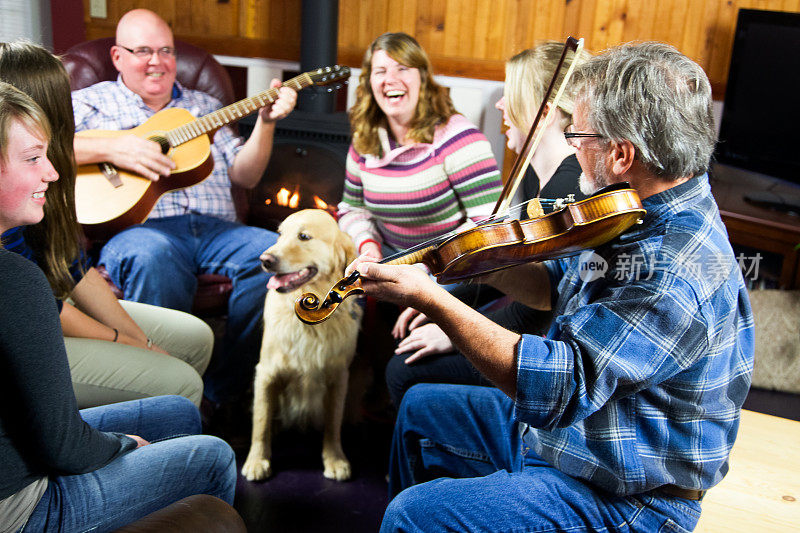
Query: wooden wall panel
(471, 38)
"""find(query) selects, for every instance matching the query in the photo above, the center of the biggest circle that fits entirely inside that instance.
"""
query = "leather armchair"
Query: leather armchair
(194, 513)
(90, 62)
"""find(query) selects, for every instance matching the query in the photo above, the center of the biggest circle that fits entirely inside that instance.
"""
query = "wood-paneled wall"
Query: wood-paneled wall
(470, 38)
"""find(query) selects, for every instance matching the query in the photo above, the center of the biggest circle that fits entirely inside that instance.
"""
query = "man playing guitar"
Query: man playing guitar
(192, 230)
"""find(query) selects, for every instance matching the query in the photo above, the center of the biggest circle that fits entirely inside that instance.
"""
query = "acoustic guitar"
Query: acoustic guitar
(109, 199)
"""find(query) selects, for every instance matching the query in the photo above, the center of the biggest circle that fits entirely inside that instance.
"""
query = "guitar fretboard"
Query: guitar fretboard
(232, 113)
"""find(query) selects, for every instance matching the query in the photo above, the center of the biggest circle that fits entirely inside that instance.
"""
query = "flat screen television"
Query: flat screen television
(760, 123)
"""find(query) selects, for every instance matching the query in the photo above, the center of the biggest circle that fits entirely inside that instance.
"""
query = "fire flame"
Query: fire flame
(319, 203)
(284, 197)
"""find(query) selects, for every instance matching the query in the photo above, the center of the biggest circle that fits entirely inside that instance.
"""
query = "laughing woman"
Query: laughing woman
(416, 168)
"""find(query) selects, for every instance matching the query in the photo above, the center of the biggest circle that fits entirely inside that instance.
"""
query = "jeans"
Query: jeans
(458, 463)
(177, 463)
(450, 367)
(157, 263)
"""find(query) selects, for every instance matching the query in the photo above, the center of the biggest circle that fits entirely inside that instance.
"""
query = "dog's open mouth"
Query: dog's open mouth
(291, 280)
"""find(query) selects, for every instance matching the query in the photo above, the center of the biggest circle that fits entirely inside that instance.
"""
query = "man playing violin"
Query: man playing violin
(192, 230)
(624, 414)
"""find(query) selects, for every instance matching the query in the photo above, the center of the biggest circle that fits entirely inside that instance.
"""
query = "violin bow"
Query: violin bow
(533, 138)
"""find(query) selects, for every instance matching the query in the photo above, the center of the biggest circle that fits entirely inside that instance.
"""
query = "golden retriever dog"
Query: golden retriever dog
(302, 374)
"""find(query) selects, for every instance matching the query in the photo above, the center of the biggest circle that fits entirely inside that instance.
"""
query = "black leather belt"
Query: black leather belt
(689, 494)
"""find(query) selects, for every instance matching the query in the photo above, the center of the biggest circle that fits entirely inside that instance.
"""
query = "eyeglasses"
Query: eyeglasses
(573, 137)
(145, 52)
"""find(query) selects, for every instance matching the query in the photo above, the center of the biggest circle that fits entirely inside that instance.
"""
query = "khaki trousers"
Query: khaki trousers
(105, 372)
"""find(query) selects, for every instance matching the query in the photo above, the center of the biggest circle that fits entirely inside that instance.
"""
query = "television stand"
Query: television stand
(756, 211)
(775, 201)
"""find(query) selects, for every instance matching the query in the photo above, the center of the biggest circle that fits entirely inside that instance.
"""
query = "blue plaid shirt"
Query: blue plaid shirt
(110, 105)
(640, 380)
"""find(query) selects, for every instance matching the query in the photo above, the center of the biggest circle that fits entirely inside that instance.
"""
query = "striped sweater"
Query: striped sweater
(417, 192)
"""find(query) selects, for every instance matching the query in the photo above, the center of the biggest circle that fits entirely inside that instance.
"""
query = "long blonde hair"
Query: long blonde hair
(55, 240)
(528, 75)
(435, 106)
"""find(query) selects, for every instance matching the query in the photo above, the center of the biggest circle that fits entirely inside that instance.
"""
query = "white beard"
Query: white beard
(587, 187)
(602, 178)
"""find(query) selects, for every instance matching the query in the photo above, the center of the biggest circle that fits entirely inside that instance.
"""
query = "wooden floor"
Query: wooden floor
(761, 492)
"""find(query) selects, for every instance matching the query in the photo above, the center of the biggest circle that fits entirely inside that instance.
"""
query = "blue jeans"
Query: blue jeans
(458, 463)
(177, 463)
(157, 263)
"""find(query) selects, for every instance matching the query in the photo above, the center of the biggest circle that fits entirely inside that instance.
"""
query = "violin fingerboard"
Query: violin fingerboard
(410, 258)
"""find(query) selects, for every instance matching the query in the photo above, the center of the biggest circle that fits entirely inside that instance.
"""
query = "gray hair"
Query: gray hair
(655, 97)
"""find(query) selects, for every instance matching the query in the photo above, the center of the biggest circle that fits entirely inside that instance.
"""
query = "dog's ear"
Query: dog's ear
(346, 250)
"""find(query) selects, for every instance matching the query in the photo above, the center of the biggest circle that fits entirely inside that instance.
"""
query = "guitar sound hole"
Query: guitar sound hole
(162, 141)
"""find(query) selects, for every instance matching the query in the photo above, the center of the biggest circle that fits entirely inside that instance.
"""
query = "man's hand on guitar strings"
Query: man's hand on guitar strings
(140, 156)
(287, 97)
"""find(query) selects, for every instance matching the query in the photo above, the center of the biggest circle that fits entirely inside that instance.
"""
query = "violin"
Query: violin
(493, 245)
(501, 242)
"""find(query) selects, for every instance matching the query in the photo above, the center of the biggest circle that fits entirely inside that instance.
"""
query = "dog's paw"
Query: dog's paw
(337, 468)
(256, 469)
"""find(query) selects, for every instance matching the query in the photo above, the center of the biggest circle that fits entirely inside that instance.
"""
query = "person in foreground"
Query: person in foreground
(112, 358)
(424, 354)
(192, 230)
(61, 469)
(625, 412)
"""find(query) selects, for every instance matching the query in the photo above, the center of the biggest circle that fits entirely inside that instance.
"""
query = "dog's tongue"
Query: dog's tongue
(278, 281)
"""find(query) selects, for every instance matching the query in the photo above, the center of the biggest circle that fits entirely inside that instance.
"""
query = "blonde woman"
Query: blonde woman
(554, 169)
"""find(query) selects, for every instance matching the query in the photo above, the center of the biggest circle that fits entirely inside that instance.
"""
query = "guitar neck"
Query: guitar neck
(232, 113)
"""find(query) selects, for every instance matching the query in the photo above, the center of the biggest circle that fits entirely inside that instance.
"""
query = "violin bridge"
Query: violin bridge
(534, 208)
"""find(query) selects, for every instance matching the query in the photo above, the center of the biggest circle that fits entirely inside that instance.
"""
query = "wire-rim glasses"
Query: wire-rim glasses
(573, 137)
(145, 52)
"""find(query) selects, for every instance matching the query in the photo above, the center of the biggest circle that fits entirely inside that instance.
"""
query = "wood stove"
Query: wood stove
(307, 166)
(306, 169)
